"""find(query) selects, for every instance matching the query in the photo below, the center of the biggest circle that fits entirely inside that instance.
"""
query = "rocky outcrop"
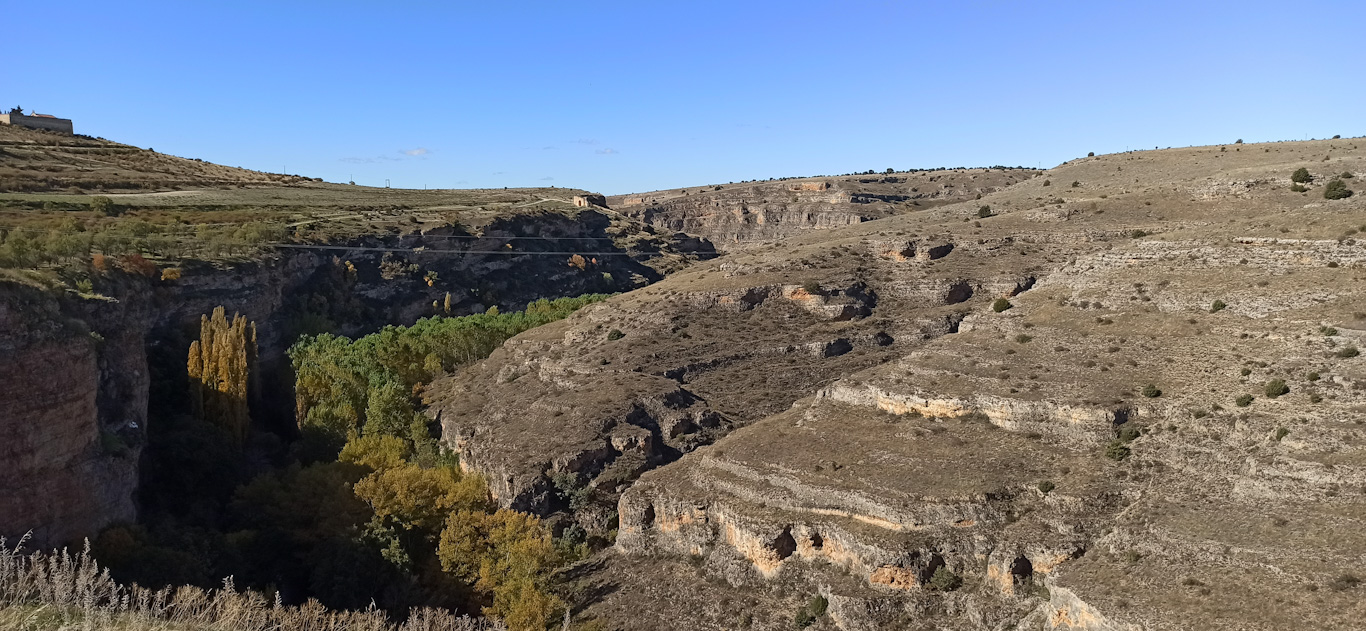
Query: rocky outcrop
(736, 216)
(64, 475)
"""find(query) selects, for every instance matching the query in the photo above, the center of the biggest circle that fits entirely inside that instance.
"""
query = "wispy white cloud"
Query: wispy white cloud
(607, 152)
(420, 151)
(547, 179)
(586, 141)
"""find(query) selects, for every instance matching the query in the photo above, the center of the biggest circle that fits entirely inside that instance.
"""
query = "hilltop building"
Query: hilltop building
(37, 121)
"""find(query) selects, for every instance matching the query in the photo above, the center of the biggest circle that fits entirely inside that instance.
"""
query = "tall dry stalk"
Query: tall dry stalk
(61, 591)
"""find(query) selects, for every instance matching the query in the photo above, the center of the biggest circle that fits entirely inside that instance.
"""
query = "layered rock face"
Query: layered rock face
(736, 216)
(1159, 428)
(62, 479)
(74, 407)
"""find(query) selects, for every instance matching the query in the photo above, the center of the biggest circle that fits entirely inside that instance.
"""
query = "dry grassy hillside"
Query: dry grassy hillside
(34, 160)
(1126, 395)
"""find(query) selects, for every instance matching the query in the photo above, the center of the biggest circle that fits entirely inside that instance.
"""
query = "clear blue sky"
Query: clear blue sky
(620, 97)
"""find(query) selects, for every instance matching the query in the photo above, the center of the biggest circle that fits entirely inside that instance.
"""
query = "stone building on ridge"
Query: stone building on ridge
(37, 121)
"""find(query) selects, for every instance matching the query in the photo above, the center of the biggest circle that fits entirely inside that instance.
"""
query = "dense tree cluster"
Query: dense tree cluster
(367, 386)
(373, 511)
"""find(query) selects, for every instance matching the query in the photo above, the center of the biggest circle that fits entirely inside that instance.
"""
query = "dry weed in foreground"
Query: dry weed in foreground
(58, 590)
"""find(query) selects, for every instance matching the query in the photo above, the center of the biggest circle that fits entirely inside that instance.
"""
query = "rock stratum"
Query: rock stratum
(1064, 415)
(738, 216)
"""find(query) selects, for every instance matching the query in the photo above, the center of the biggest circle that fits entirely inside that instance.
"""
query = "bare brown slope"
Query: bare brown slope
(930, 431)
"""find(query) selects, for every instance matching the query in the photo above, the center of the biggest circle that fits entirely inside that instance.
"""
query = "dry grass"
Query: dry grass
(59, 590)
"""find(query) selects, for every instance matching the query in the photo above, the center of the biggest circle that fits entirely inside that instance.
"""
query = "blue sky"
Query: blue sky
(619, 97)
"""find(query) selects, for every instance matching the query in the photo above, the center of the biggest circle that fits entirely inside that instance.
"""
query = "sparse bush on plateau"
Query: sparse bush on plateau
(1243, 400)
(1298, 188)
(615, 334)
(1301, 176)
(1047, 487)
(1217, 306)
(1151, 391)
(1276, 388)
(1000, 304)
(1337, 189)
(1281, 432)
(984, 212)
(1349, 351)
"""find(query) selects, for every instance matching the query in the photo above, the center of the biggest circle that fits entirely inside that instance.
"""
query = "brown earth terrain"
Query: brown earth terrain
(1065, 414)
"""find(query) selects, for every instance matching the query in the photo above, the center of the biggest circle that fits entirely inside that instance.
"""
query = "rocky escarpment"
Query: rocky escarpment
(79, 368)
(1156, 426)
(64, 477)
(735, 216)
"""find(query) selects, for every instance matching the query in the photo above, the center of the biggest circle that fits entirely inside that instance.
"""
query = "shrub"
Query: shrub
(104, 206)
(1000, 304)
(1276, 388)
(811, 611)
(1151, 391)
(1245, 372)
(1238, 141)
(1336, 189)
(1297, 188)
(1350, 351)
(1117, 450)
(1243, 400)
(1346, 175)
(1090, 154)
(1313, 376)
(1023, 339)
(1076, 184)
(944, 580)
(812, 287)
(1281, 432)
(1301, 176)
(1047, 487)
(615, 334)
(1047, 182)
(984, 212)
(1217, 306)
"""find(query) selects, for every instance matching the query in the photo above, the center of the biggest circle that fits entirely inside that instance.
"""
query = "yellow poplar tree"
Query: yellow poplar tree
(220, 365)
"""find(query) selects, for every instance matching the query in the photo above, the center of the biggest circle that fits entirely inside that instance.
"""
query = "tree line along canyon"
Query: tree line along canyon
(1121, 394)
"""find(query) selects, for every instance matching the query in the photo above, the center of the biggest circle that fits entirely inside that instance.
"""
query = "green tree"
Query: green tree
(1301, 176)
